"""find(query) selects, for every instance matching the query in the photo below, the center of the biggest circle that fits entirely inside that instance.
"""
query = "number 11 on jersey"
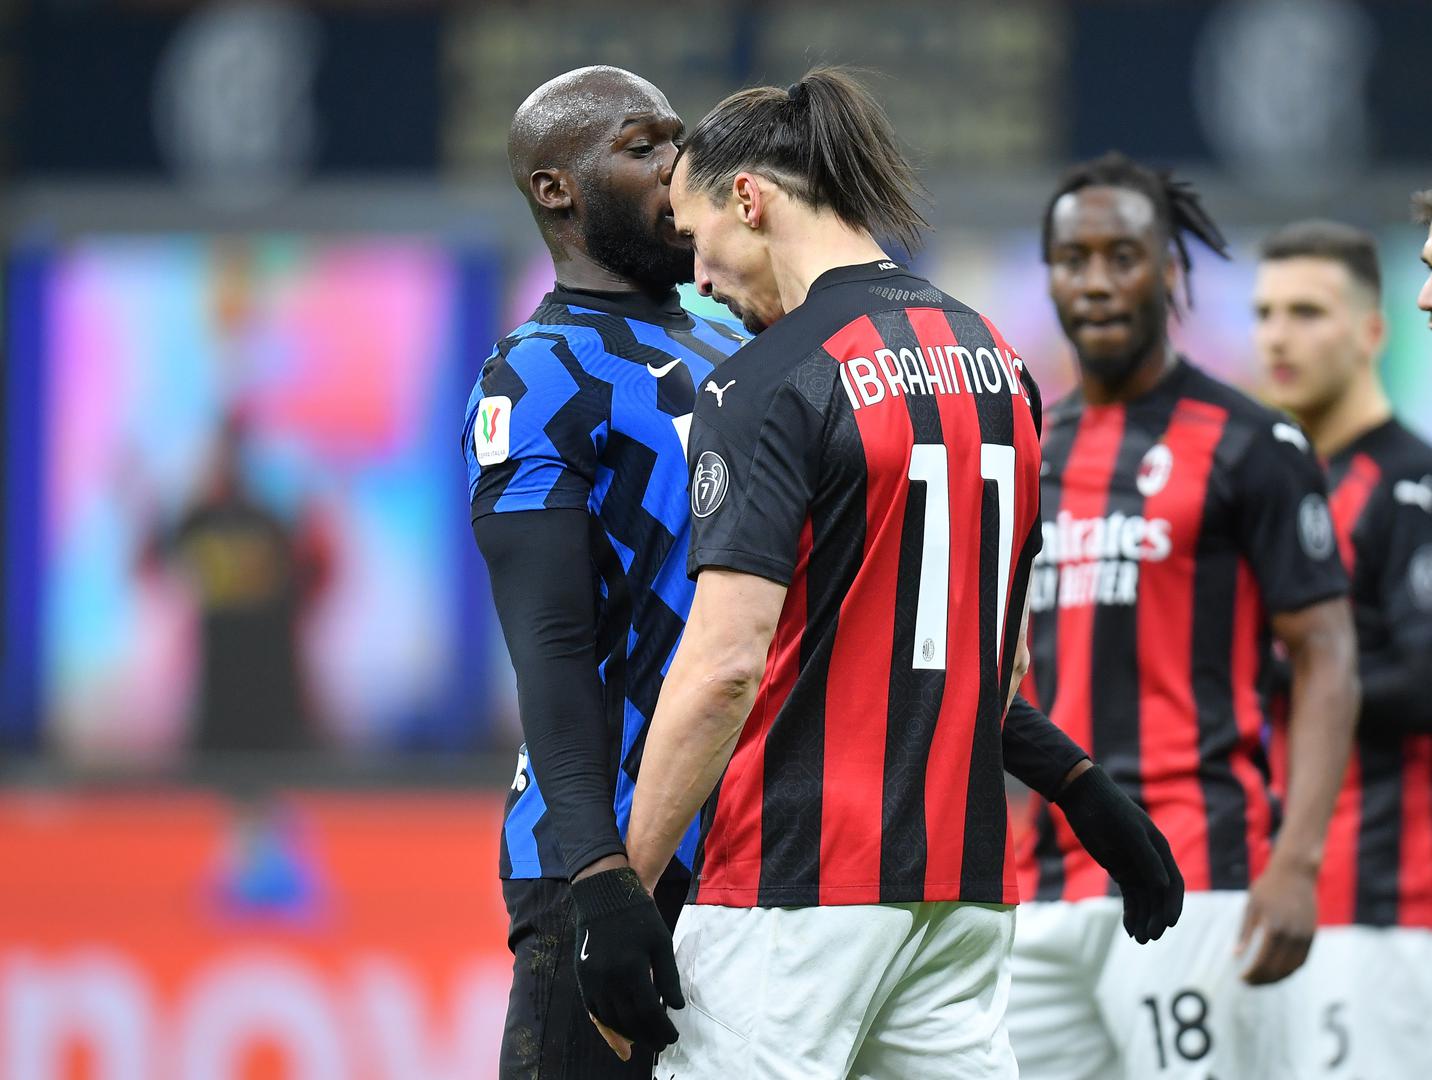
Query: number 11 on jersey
(929, 465)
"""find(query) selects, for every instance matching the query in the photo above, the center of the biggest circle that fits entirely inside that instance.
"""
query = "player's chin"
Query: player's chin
(1282, 400)
(679, 259)
(1107, 362)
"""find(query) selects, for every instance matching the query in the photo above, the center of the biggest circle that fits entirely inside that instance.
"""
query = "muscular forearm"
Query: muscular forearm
(705, 699)
(697, 724)
(1324, 708)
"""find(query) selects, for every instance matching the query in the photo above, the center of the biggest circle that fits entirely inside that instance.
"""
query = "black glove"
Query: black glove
(1123, 839)
(624, 958)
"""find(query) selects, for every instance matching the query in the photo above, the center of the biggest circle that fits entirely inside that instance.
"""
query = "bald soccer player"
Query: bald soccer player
(575, 440)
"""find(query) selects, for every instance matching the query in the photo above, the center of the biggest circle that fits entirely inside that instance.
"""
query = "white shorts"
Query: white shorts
(878, 991)
(1090, 1003)
(1370, 1004)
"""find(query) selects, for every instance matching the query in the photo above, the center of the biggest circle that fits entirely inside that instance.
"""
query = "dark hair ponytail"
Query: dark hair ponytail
(824, 140)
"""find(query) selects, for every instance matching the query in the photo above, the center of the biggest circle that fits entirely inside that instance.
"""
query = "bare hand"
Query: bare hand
(620, 1044)
(1279, 923)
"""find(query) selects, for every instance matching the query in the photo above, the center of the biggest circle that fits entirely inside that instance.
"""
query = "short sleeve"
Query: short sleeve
(1404, 564)
(532, 433)
(754, 457)
(1284, 526)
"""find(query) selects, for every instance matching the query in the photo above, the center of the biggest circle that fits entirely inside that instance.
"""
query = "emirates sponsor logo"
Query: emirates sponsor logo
(1069, 539)
(1096, 560)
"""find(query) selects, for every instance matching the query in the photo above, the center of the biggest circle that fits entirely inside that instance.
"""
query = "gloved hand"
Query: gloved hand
(625, 965)
(1123, 839)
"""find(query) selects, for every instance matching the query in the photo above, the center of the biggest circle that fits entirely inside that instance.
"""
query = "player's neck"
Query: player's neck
(578, 270)
(1151, 370)
(1347, 417)
(813, 244)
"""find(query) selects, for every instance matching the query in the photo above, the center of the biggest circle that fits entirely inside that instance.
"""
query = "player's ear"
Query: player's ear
(550, 189)
(749, 199)
(1374, 331)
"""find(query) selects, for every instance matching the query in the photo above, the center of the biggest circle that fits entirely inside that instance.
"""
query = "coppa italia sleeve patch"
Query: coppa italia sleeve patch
(492, 430)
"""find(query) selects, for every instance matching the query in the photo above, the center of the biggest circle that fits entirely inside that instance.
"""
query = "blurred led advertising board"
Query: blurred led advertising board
(184, 937)
(244, 447)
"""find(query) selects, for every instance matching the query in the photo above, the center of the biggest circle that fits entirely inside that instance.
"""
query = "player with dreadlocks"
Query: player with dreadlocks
(1185, 528)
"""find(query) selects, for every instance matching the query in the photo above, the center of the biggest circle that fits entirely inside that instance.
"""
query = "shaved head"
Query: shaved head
(565, 119)
(592, 151)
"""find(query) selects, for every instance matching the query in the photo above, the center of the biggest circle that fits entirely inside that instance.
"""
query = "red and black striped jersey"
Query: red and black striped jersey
(1377, 862)
(877, 451)
(1174, 525)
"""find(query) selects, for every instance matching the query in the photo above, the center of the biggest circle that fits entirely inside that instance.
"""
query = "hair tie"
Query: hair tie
(797, 92)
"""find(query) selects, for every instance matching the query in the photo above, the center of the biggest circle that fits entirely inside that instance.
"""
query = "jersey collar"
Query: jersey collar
(871, 271)
(664, 311)
(1366, 441)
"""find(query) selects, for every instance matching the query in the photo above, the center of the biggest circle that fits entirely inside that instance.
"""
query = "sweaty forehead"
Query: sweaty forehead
(567, 117)
(1103, 213)
(599, 106)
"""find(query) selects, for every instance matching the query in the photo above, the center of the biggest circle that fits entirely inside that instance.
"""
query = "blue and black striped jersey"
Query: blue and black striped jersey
(587, 405)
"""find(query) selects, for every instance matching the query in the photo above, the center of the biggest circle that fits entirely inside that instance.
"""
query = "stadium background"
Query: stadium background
(294, 223)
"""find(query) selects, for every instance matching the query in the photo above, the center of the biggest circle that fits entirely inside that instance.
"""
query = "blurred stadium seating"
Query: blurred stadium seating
(279, 239)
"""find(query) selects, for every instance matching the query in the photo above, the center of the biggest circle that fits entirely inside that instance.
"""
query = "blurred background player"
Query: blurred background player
(254, 577)
(1319, 333)
(822, 497)
(575, 440)
(1184, 527)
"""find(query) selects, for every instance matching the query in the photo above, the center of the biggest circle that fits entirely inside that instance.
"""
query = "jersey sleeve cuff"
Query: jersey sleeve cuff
(1288, 605)
(746, 562)
(590, 852)
(482, 506)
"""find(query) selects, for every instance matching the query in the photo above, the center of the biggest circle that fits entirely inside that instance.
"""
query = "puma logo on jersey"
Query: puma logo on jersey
(1414, 493)
(719, 391)
(660, 371)
(1289, 434)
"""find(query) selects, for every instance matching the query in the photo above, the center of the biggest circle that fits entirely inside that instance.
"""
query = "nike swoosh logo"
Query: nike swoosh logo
(660, 371)
(584, 945)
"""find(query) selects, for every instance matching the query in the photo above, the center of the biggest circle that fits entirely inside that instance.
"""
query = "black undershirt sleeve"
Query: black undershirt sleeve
(540, 565)
(1395, 698)
(1036, 752)
(1395, 635)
